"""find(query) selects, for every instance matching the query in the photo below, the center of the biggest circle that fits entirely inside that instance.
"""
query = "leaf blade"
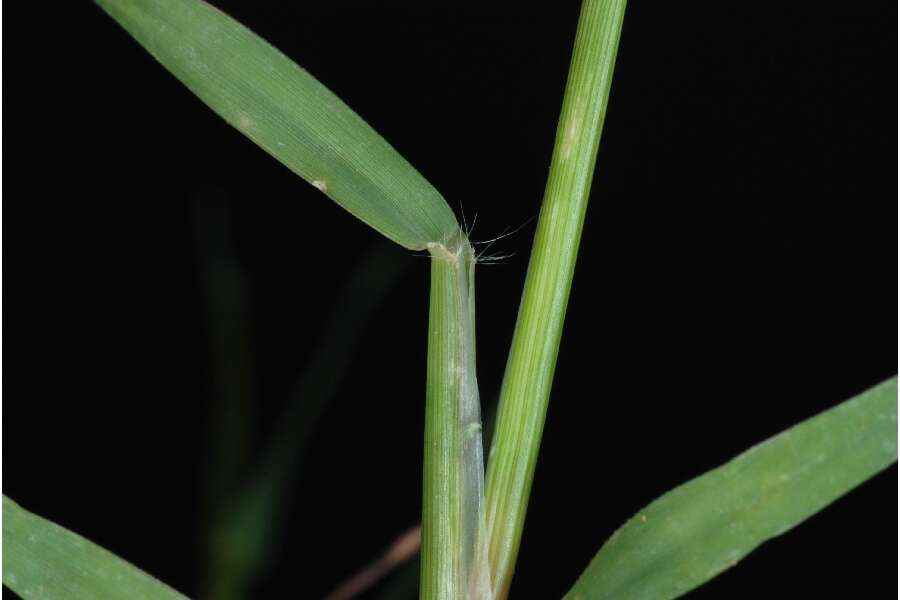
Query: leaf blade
(289, 114)
(699, 529)
(42, 560)
(527, 381)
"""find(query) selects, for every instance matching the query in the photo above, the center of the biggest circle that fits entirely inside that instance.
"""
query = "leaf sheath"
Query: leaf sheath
(454, 464)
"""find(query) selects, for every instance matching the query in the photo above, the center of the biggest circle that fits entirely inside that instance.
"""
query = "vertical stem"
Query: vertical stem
(529, 371)
(454, 465)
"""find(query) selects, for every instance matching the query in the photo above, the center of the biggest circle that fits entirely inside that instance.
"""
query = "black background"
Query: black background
(737, 273)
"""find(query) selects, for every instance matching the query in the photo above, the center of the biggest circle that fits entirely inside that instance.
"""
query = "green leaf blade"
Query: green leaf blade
(43, 561)
(289, 114)
(527, 381)
(703, 527)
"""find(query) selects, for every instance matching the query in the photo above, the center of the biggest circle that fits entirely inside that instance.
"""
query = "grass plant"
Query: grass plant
(473, 514)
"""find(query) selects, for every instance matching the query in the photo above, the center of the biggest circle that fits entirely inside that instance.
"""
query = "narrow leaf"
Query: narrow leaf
(525, 392)
(292, 116)
(705, 526)
(43, 561)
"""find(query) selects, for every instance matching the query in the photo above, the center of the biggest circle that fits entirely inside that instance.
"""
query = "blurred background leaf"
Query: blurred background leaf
(249, 495)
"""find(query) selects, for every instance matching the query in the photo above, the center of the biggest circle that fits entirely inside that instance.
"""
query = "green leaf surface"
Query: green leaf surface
(43, 561)
(525, 393)
(705, 526)
(288, 113)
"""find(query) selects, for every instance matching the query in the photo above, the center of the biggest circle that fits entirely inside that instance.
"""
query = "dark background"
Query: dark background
(737, 274)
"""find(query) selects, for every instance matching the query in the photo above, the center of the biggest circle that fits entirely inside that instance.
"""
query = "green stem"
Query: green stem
(529, 372)
(454, 465)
